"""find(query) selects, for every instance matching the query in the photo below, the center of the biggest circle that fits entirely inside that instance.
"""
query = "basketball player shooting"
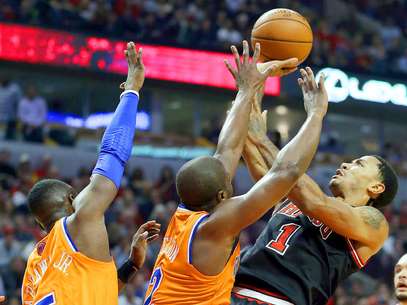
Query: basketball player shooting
(313, 241)
(72, 264)
(200, 251)
(400, 280)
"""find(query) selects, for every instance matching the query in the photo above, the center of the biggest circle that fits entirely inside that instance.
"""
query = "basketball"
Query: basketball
(282, 34)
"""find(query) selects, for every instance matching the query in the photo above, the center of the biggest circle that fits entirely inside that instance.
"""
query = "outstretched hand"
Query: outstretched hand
(136, 71)
(315, 95)
(246, 74)
(147, 232)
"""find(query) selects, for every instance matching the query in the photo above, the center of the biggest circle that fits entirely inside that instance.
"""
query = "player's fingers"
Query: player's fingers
(256, 54)
(302, 85)
(140, 56)
(264, 116)
(236, 57)
(122, 85)
(311, 78)
(321, 83)
(289, 63)
(270, 70)
(245, 52)
(152, 238)
(131, 49)
(145, 226)
(143, 235)
(2, 298)
(304, 77)
(229, 67)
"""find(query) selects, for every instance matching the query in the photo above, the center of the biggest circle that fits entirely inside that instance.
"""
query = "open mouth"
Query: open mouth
(402, 285)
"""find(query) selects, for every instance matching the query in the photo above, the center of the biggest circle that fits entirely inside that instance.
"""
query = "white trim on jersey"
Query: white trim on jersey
(260, 296)
(355, 254)
(67, 236)
(192, 235)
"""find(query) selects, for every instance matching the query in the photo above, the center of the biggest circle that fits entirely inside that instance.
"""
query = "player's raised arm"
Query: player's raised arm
(290, 164)
(369, 226)
(86, 225)
(248, 80)
(364, 224)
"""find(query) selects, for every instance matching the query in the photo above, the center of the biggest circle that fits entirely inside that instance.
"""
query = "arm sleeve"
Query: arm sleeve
(117, 140)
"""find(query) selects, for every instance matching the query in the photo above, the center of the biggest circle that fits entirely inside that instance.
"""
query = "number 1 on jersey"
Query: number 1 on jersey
(280, 244)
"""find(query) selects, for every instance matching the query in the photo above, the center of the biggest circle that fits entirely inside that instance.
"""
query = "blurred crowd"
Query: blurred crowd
(366, 35)
(139, 200)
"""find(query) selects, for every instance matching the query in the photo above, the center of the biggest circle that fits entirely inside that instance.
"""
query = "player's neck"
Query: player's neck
(355, 199)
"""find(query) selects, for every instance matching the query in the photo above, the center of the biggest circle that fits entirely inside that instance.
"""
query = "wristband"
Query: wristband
(127, 271)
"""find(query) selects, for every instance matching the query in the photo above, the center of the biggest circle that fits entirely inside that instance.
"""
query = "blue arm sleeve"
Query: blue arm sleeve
(117, 140)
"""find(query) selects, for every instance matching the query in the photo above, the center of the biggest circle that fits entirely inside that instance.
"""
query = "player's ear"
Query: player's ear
(222, 195)
(374, 190)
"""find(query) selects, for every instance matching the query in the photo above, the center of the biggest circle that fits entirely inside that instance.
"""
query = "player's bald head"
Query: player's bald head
(50, 200)
(400, 279)
(201, 180)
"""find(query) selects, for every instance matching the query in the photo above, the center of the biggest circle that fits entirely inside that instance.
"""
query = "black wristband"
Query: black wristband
(127, 271)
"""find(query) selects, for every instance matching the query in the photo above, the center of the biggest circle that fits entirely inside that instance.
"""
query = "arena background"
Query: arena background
(65, 56)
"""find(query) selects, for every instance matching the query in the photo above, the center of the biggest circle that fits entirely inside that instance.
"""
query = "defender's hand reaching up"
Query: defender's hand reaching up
(246, 74)
(135, 73)
(315, 96)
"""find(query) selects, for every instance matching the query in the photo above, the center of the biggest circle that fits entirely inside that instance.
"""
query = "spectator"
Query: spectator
(9, 247)
(129, 296)
(32, 112)
(9, 96)
(227, 34)
(166, 185)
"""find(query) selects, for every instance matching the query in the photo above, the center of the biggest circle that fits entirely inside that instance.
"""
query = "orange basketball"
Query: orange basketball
(282, 34)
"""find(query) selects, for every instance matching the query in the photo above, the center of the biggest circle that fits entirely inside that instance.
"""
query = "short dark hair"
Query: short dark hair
(200, 180)
(45, 196)
(390, 181)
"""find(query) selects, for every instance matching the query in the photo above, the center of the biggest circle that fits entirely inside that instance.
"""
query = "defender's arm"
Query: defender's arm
(248, 78)
(86, 226)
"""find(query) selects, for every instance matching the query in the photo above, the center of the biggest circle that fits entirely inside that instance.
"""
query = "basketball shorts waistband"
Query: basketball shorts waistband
(257, 295)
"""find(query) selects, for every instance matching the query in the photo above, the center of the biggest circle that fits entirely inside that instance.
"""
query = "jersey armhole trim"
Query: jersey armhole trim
(68, 236)
(192, 236)
(358, 260)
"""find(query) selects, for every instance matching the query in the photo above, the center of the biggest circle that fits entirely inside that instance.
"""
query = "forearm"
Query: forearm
(234, 131)
(126, 273)
(299, 152)
(117, 140)
(254, 161)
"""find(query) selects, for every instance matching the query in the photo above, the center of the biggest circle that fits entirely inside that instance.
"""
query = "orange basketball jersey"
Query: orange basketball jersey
(58, 274)
(175, 280)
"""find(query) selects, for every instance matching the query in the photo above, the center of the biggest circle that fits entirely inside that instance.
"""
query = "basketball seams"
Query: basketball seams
(279, 40)
(255, 27)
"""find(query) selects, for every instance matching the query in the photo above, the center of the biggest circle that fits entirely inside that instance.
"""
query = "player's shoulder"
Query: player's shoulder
(373, 217)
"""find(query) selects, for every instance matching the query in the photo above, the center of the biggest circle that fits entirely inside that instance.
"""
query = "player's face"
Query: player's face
(400, 279)
(359, 174)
